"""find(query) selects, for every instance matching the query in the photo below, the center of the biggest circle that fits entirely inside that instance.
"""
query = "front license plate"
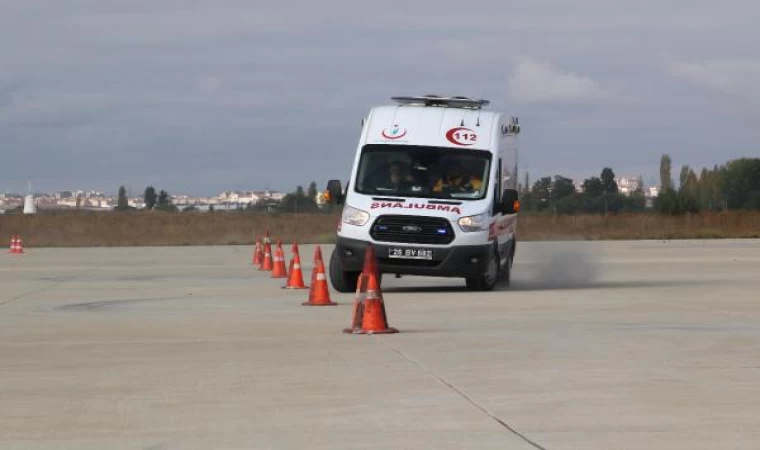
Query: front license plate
(410, 253)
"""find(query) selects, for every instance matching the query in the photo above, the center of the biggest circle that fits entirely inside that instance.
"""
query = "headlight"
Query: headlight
(474, 223)
(353, 216)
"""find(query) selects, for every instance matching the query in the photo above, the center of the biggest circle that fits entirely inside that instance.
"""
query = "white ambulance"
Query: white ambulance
(434, 190)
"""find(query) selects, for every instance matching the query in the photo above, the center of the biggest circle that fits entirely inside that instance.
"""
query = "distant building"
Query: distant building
(276, 196)
(239, 198)
(136, 202)
(628, 185)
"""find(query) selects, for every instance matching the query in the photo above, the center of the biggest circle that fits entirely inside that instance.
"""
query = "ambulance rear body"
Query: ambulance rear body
(419, 228)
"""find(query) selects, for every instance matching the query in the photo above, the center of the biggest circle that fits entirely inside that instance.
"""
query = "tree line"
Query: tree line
(731, 186)
(734, 185)
(160, 201)
(599, 195)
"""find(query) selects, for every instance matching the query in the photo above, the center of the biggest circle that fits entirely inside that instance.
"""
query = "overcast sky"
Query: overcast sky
(204, 96)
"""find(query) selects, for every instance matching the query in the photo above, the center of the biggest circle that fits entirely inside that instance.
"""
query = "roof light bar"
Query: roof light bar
(450, 102)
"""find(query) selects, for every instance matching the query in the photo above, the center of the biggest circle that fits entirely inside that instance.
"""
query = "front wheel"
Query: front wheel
(488, 280)
(506, 271)
(342, 281)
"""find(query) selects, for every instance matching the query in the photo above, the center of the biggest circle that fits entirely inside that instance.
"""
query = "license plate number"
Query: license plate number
(410, 253)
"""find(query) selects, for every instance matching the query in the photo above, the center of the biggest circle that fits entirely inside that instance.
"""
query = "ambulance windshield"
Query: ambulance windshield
(420, 171)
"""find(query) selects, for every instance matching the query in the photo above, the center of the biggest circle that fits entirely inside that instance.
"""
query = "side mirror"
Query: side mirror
(510, 203)
(335, 190)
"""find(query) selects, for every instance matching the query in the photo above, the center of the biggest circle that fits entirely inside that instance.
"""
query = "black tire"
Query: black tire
(506, 270)
(488, 280)
(342, 280)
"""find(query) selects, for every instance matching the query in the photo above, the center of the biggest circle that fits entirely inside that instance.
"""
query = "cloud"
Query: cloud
(727, 77)
(50, 110)
(227, 95)
(537, 82)
(209, 84)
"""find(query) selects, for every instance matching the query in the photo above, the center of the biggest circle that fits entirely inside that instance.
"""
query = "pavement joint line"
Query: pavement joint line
(693, 307)
(451, 386)
(58, 282)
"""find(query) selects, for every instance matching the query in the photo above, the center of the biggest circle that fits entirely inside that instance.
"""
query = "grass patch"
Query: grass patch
(87, 229)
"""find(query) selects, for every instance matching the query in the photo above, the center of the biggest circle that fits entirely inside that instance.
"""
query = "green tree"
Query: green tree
(542, 193)
(210, 208)
(164, 202)
(122, 204)
(666, 181)
(300, 192)
(570, 204)
(313, 192)
(692, 182)
(741, 183)
(561, 188)
(683, 176)
(163, 199)
(688, 200)
(668, 202)
(609, 185)
(703, 189)
(294, 203)
(636, 202)
(592, 187)
(687, 203)
(150, 197)
(715, 186)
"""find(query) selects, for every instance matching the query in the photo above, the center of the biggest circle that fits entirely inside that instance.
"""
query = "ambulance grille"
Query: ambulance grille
(412, 230)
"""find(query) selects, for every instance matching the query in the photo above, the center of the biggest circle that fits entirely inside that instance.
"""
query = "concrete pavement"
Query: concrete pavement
(624, 345)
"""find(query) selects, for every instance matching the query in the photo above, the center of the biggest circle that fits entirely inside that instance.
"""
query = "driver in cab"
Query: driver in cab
(395, 179)
(455, 180)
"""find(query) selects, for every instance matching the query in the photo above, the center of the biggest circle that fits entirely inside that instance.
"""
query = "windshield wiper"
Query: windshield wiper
(444, 202)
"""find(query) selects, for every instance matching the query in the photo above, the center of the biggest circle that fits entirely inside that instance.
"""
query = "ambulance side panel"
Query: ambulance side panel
(506, 224)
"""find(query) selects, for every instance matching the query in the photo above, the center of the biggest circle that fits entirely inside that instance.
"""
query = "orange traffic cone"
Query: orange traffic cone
(16, 245)
(319, 295)
(266, 262)
(317, 257)
(293, 251)
(279, 270)
(12, 248)
(258, 253)
(369, 315)
(295, 280)
(370, 267)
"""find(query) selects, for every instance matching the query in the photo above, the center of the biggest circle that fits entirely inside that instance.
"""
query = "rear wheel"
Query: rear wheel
(342, 280)
(488, 280)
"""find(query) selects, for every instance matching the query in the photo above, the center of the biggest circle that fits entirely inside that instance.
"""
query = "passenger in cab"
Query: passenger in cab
(455, 180)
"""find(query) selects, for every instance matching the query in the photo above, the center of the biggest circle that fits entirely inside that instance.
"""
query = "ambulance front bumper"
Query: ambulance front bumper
(455, 261)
